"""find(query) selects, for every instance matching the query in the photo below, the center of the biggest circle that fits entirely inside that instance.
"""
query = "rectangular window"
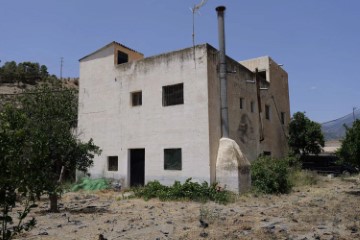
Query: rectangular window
(242, 103)
(282, 118)
(112, 163)
(173, 94)
(267, 153)
(172, 159)
(122, 57)
(136, 98)
(267, 112)
(252, 106)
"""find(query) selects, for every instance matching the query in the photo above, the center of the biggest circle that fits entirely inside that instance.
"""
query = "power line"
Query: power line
(347, 115)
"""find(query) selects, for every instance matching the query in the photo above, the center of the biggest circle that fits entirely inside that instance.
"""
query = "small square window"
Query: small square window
(267, 112)
(113, 163)
(172, 159)
(242, 103)
(173, 94)
(252, 106)
(136, 98)
(282, 118)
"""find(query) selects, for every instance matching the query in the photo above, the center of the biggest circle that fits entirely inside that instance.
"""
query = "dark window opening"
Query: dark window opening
(282, 118)
(252, 106)
(242, 103)
(267, 112)
(136, 98)
(113, 163)
(173, 94)
(172, 159)
(262, 74)
(267, 153)
(122, 57)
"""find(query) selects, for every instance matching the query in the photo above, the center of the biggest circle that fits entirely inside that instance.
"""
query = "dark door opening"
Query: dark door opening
(137, 167)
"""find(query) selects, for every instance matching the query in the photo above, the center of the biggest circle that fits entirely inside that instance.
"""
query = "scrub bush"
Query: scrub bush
(270, 175)
(189, 190)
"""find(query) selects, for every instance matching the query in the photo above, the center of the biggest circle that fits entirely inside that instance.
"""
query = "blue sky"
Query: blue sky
(317, 41)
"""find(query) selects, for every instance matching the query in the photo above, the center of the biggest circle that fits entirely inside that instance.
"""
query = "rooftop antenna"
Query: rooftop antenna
(194, 10)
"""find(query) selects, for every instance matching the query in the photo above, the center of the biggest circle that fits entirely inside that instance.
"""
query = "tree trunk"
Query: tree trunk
(53, 202)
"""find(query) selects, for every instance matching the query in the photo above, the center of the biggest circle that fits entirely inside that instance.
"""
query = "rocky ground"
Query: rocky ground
(328, 210)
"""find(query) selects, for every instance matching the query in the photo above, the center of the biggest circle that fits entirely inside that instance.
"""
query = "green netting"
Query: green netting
(89, 184)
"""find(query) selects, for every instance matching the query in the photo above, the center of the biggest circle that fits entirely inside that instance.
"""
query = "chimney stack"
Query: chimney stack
(222, 74)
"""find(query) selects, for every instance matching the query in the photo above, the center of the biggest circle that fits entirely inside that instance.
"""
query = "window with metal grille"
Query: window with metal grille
(172, 159)
(112, 163)
(267, 112)
(173, 94)
(242, 103)
(136, 98)
(122, 57)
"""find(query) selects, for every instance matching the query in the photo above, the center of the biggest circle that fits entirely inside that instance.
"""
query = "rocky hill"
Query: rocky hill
(335, 130)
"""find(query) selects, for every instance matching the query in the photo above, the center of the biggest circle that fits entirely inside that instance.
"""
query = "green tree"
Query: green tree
(15, 178)
(52, 114)
(305, 136)
(350, 147)
(8, 72)
(52, 148)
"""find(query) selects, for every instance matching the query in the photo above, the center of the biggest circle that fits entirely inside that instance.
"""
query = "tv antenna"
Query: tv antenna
(194, 10)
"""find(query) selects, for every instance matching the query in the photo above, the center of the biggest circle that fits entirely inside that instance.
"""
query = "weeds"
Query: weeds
(303, 178)
(187, 191)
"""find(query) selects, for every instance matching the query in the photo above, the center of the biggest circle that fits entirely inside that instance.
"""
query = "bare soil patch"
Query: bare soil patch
(328, 210)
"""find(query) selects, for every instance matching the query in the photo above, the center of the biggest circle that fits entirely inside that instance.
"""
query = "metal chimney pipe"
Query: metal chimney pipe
(222, 76)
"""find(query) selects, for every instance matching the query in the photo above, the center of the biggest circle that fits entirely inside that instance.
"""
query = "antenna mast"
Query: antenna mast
(194, 10)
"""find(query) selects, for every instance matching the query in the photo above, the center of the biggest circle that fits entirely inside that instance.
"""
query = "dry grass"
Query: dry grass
(328, 210)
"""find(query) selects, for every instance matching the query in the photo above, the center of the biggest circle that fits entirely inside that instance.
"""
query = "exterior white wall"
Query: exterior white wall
(106, 114)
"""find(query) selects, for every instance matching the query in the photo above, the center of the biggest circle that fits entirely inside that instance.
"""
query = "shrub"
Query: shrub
(271, 175)
(187, 191)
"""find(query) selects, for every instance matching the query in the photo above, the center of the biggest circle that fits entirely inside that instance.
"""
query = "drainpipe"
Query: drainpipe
(222, 76)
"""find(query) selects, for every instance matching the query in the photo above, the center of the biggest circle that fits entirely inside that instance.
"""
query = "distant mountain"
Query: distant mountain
(335, 130)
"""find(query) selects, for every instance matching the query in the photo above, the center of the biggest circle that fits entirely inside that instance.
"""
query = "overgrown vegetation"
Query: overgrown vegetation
(89, 184)
(187, 191)
(350, 146)
(269, 175)
(38, 147)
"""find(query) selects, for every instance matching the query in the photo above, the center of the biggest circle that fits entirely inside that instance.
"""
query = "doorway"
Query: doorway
(137, 167)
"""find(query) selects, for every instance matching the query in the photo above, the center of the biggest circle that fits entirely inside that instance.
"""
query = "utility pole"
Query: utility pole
(61, 67)
(354, 113)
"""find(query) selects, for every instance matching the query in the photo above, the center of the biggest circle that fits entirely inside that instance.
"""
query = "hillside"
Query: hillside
(8, 91)
(335, 130)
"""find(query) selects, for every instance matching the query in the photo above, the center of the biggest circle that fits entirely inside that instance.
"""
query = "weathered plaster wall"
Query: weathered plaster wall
(277, 97)
(243, 124)
(106, 113)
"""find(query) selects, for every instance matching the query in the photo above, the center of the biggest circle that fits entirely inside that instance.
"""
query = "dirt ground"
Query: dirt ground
(328, 210)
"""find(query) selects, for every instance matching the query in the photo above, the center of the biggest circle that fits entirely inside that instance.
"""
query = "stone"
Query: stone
(232, 167)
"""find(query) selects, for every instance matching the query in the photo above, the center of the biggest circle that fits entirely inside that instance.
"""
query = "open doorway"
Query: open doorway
(137, 167)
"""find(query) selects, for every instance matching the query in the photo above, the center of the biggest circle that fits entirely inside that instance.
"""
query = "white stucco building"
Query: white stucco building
(159, 117)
